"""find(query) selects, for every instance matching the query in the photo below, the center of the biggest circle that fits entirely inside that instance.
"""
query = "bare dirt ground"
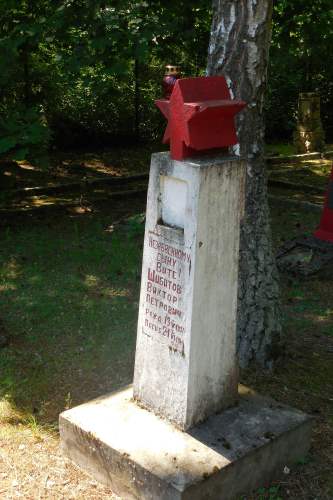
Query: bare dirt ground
(32, 466)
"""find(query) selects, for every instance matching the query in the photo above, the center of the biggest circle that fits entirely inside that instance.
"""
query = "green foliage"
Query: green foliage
(23, 133)
(74, 318)
(271, 493)
(301, 60)
(24, 29)
(83, 70)
(90, 68)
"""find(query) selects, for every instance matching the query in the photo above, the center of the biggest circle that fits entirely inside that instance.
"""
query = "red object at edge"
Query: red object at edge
(200, 116)
(325, 229)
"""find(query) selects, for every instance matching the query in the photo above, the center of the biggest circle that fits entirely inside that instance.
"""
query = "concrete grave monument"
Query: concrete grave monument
(185, 430)
(185, 366)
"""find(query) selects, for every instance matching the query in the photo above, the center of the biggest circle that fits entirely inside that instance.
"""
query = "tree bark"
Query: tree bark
(238, 49)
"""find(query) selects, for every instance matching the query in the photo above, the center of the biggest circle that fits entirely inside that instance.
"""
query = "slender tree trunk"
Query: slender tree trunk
(26, 71)
(136, 98)
(238, 49)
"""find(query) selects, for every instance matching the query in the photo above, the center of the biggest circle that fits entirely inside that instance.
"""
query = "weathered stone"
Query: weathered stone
(309, 135)
(141, 456)
(185, 368)
(185, 364)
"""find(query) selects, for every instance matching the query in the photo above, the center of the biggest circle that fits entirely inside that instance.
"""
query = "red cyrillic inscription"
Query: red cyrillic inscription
(164, 293)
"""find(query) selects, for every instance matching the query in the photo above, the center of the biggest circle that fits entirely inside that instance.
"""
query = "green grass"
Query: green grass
(310, 172)
(280, 149)
(69, 295)
(286, 149)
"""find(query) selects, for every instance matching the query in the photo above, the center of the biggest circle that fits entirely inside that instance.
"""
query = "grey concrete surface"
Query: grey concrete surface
(185, 361)
(141, 456)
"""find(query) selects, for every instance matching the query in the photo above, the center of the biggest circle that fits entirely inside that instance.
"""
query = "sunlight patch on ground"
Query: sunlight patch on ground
(320, 317)
(8, 413)
(11, 270)
(26, 165)
(80, 210)
(7, 287)
(12, 419)
(48, 200)
(328, 316)
(115, 292)
(94, 283)
(32, 465)
(318, 162)
(102, 168)
(91, 280)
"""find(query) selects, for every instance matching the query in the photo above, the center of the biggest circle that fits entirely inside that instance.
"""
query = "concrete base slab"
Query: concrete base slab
(141, 456)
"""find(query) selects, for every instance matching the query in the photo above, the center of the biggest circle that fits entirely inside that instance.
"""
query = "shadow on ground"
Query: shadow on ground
(69, 296)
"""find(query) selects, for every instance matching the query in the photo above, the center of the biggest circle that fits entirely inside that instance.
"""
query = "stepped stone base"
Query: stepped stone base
(141, 456)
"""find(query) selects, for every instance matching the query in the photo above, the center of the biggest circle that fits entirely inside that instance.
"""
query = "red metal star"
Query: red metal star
(200, 116)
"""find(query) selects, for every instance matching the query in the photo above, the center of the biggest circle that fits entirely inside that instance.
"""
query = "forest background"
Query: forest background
(80, 72)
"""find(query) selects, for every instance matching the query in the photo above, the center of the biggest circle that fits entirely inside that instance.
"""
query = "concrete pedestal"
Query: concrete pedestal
(141, 456)
(185, 359)
(185, 365)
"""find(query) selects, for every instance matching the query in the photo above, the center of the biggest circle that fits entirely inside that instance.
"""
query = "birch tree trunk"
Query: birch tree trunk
(238, 49)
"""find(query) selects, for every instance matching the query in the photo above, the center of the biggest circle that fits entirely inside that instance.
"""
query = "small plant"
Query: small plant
(31, 422)
(68, 401)
(271, 493)
(304, 460)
